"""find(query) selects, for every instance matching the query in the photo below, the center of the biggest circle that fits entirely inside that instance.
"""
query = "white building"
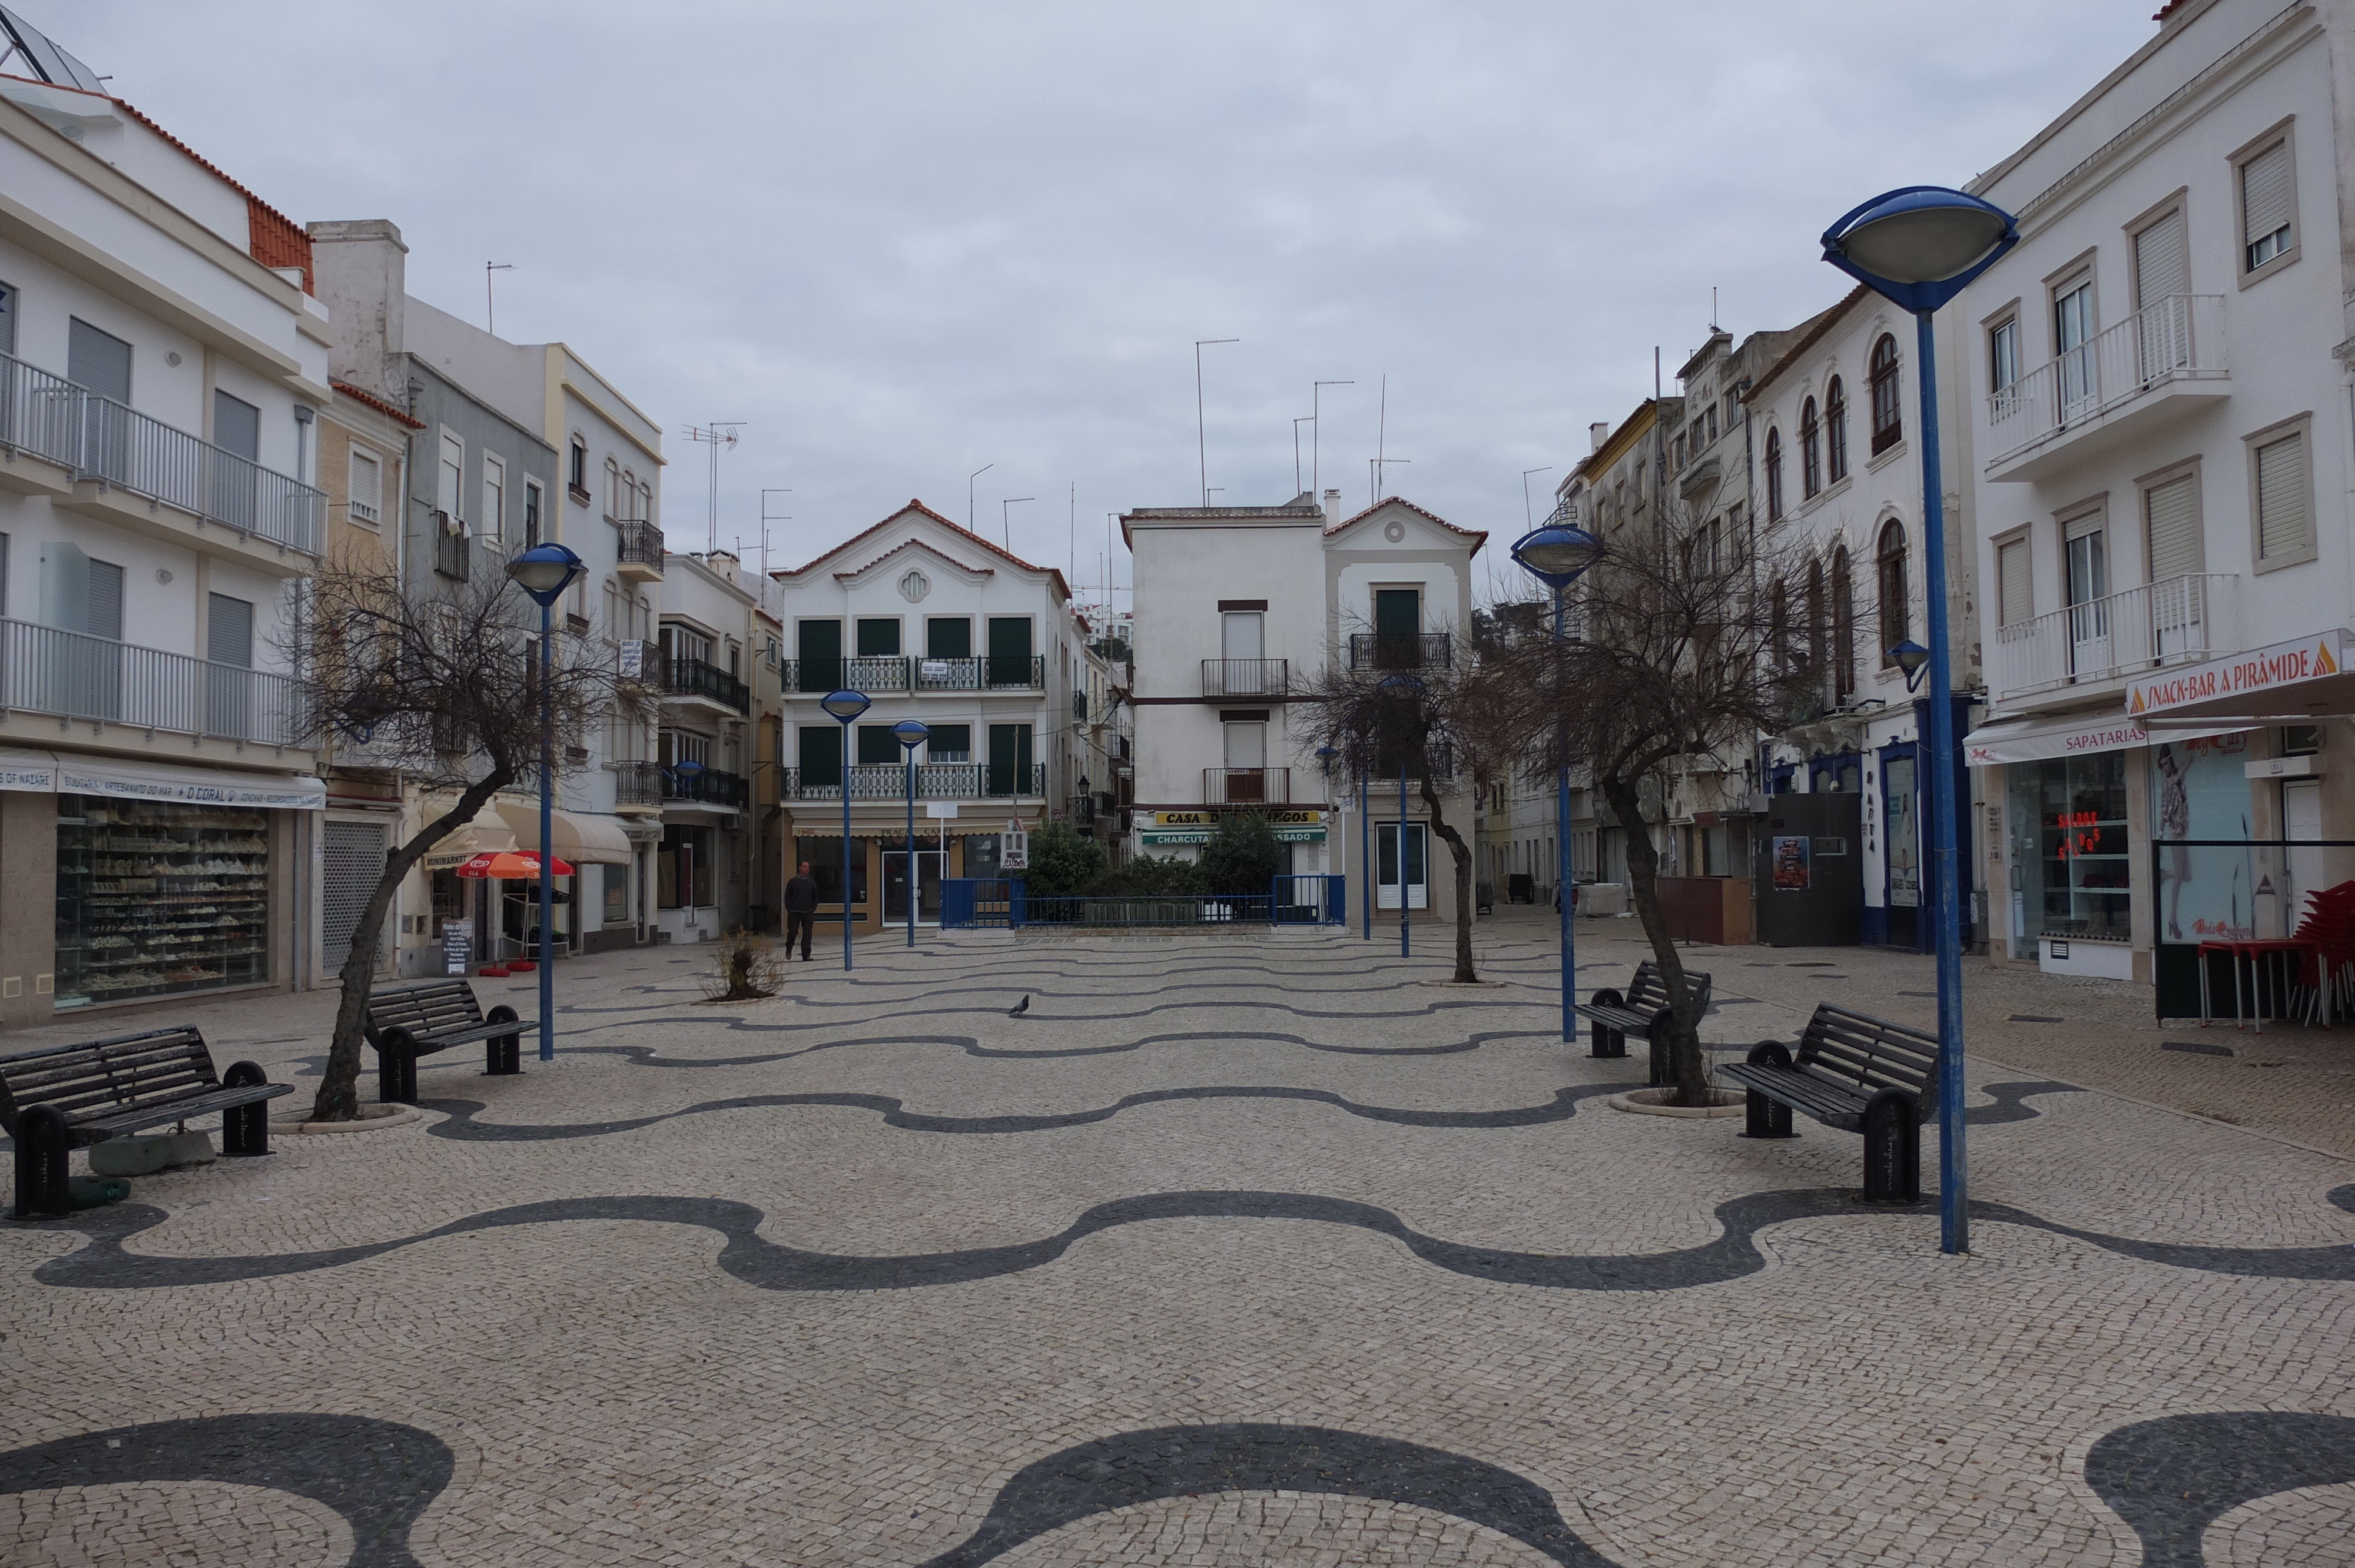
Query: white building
(1235, 605)
(161, 364)
(705, 874)
(937, 624)
(2157, 453)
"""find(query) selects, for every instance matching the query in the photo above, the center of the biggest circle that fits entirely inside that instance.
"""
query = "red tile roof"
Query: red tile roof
(963, 532)
(346, 388)
(1477, 537)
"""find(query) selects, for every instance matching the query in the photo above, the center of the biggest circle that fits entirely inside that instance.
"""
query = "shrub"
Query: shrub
(1242, 856)
(1150, 876)
(1062, 863)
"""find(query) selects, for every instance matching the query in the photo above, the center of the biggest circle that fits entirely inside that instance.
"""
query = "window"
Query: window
(2170, 511)
(1887, 417)
(2015, 600)
(948, 637)
(877, 745)
(1676, 451)
(2283, 501)
(7, 318)
(1811, 465)
(1835, 432)
(1815, 627)
(1239, 634)
(2268, 192)
(576, 469)
(646, 501)
(237, 426)
(367, 489)
(2073, 337)
(2003, 362)
(2162, 261)
(1890, 573)
(494, 496)
(534, 500)
(98, 360)
(878, 637)
(1712, 423)
(453, 477)
(612, 489)
(229, 630)
(1843, 628)
(2299, 740)
(1774, 476)
(950, 743)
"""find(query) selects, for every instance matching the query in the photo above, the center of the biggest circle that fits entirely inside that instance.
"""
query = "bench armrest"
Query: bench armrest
(1769, 1054)
(1908, 1105)
(1607, 997)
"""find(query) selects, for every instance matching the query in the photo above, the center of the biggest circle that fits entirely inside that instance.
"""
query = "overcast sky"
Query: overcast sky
(902, 241)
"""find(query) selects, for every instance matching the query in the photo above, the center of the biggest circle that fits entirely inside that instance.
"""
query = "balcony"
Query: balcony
(1399, 651)
(638, 552)
(119, 465)
(637, 786)
(1246, 786)
(2176, 621)
(934, 781)
(880, 673)
(452, 551)
(1245, 677)
(713, 786)
(692, 680)
(77, 676)
(2162, 362)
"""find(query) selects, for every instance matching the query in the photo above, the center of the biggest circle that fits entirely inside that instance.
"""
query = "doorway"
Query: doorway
(930, 869)
(1386, 866)
(1902, 844)
(2301, 801)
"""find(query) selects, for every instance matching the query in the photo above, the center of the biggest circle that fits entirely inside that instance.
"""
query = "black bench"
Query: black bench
(62, 1097)
(1855, 1073)
(1642, 1008)
(419, 1019)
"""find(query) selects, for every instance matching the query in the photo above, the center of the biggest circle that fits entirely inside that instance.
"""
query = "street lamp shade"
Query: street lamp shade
(544, 572)
(911, 732)
(1399, 685)
(844, 705)
(1920, 246)
(1910, 656)
(686, 767)
(1557, 555)
(1325, 754)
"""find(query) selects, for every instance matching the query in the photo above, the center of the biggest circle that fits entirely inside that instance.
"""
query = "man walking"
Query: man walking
(800, 910)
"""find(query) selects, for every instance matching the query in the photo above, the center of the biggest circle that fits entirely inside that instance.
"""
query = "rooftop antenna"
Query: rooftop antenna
(1525, 510)
(718, 434)
(1296, 451)
(1713, 308)
(1378, 465)
(1072, 544)
(1316, 436)
(1382, 440)
(1201, 442)
(766, 518)
(976, 474)
(490, 311)
(1005, 518)
(1656, 373)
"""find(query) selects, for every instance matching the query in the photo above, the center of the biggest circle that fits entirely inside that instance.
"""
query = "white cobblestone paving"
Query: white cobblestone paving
(725, 1338)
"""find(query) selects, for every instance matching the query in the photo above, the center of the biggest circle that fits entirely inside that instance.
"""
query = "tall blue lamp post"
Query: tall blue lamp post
(544, 572)
(1365, 854)
(1325, 756)
(911, 734)
(1919, 247)
(1405, 688)
(1557, 555)
(845, 707)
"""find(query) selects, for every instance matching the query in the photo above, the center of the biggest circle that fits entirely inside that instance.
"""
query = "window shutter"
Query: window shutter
(2284, 523)
(2174, 529)
(2264, 193)
(229, 630)
(2014, 601)
(2161, 265)
(105, 600)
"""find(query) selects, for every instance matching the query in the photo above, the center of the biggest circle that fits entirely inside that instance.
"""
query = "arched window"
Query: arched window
(1843, 627)
(1889, 569)
(1887, 420)
(1811, 457)
(612, 489)
(1778, 637)
(1835, 431)
(1774, 476)
(1815, 628)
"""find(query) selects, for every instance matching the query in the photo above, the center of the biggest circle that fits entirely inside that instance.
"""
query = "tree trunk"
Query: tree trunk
(1643, 876)
(339, 1095)
(1462, 854)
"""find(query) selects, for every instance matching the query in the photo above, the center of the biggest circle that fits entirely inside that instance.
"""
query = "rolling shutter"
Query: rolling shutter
(2014, 601)
(2174, 520)
(2161, 267)
(2264, 193)
(2284, 523)
(353, 855)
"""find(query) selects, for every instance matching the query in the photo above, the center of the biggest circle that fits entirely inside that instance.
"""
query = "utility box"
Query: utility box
(1809, 876)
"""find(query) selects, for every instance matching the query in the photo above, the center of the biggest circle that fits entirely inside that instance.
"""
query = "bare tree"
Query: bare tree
(1676, 650)
(445, 690)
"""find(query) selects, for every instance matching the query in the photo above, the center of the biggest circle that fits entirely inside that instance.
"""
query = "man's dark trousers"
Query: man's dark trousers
(804, 925)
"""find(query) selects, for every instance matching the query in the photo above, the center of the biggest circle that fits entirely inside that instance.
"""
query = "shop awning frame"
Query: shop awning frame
(583, 838)
(2041, 740)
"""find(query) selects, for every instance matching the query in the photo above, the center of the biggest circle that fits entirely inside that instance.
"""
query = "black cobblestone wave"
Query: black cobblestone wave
(2172, 1478)
(378, 1475)
(750, 1258)
(652, 1057)
(2009, 1098)
(1188, 1461)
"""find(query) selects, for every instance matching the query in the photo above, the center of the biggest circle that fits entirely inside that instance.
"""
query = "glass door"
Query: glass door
(929, 872)
(2089, 603)
(1386, 867)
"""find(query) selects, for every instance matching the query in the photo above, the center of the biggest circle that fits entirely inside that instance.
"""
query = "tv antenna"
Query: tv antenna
(767, 518)
(1375, 467)
(1316, 436)
(719, 434)
(1005, 518)
(1526, 511)
(976, 474)
(1201, 442)
(490, 311)
(1303, 418)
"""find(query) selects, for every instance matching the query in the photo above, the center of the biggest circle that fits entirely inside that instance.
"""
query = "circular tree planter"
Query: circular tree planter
(370, 1119)
(1654, 1102)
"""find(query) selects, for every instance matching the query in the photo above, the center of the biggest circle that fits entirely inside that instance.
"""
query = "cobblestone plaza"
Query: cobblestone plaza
(1255, 1248)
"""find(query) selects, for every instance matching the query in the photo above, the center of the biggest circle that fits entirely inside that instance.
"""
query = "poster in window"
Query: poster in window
(2200, 790)
(1791, 864)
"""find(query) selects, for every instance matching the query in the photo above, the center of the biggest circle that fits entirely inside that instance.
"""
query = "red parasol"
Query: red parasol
(510, 865)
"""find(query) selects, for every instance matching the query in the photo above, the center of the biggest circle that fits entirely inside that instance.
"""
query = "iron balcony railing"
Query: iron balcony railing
(2176, 621)
(638, 545)
(695, 678)
(637, 783)
(452, 551)
(908, 672)
(1245, 677)
(2178, 338)
(75, 675)
(99, 438)
(934, 781)
(1401, 650)
(712, 787)
(1246, 786)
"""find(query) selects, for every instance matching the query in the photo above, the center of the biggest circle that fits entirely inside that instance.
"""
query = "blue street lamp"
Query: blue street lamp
(1919, 247)
(846, 706)
(911, 734)
(1325, 756)
(1558, 557)
(1401, 688)
(544, 572)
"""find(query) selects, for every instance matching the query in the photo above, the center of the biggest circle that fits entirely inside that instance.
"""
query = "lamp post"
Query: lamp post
(845, 707)
(1402, 688)
(1325, 756)
(911, 734)
(1557, 555)
(1918, 246)
(544, 572)
(1365, 854)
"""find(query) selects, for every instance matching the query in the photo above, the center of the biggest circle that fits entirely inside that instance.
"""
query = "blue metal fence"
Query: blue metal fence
(969, 902)
(1312, 901)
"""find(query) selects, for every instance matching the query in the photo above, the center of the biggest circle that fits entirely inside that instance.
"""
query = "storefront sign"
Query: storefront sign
(2263, 670)
(1207, 820)
(189, 785)
(2014, 741)
(35, 772)
(1157, 837)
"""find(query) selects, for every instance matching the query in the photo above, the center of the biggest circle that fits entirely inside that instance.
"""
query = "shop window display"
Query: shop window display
(2068, 856)
(2200, 790)
(155, 898)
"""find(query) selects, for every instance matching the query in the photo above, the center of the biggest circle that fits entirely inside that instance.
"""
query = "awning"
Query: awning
(2292, 683)
(487, 834)
(122, 778)
(2075, 734)
(583, 838)
(33, 772)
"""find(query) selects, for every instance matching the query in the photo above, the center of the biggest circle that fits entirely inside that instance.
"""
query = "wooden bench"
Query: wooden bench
(418, 1019)
(62, 1097)
(1855, 1073)
(1642, 1008)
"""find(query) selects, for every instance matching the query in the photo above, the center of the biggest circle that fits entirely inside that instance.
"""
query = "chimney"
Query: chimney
(1596, 434)
(359, 272)
(1332, 509)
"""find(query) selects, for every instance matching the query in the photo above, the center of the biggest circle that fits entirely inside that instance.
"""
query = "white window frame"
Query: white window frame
(2022, 538)
(366, 514)
(2301, 426)
(450, 493)
(494, 497)
(2189, 469)
(2284, 134)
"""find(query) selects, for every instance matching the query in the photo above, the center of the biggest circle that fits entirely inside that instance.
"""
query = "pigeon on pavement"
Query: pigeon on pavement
(1019, 1007)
